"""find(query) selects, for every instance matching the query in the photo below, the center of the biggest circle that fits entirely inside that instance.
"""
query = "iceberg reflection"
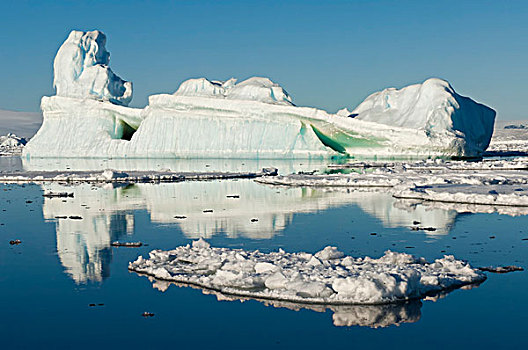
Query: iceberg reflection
(235, 209)
(372, 316)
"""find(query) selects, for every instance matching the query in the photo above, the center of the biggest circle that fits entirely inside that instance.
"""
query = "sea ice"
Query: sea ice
(255, 118)
(328, 277)
(491, 182)
(507, 195)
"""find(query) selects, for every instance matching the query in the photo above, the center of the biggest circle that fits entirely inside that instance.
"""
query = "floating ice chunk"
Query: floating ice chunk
(276, 281)
(290, 276)
(81, 70)
(262, 267)
(200, 244)
(329, 253)
(111, 174)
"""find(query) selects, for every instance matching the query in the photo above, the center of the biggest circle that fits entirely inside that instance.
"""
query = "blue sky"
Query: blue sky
(327, 54)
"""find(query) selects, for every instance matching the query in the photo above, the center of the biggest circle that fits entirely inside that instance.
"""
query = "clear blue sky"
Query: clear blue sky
(327, 54)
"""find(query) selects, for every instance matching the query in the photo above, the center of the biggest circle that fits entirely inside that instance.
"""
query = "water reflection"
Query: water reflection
(234, 209)
(97, 215)
(84, 246)
(373, 316)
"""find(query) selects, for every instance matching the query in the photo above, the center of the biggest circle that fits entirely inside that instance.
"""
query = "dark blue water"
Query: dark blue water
(48, 282)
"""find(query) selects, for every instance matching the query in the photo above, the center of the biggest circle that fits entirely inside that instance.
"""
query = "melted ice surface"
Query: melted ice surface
(327, 277)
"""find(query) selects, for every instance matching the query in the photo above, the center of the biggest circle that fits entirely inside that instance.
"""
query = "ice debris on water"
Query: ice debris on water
(327, 277)
(126, 244)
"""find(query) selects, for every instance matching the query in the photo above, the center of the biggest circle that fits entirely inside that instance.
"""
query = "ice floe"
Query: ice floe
(327, 277)
(505, 195)
(490, 182)
(509, 141)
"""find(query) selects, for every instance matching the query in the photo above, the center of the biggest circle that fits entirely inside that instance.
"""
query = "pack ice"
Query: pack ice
(255, 118)
(327, 277)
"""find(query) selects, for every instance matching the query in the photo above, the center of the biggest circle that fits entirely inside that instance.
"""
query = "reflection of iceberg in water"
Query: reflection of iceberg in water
(373, 316)
(239, 209)
(84, 247)
(107, 213)
(83, 244)
(388, 209)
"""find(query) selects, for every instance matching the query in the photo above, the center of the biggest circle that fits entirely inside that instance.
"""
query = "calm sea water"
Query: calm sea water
(48, 282)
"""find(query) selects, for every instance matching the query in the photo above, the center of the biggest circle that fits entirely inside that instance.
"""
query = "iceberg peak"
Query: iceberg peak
(253, 89)
(81, 70)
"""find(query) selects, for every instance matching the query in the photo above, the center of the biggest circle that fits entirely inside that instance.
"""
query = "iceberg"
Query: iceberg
(255, 118)
(11, 144)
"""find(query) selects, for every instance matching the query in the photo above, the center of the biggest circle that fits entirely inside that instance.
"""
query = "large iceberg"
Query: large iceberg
(255, 118)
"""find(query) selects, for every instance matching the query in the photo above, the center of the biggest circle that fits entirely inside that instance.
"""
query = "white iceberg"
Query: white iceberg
(255, 118)
(327, 277)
